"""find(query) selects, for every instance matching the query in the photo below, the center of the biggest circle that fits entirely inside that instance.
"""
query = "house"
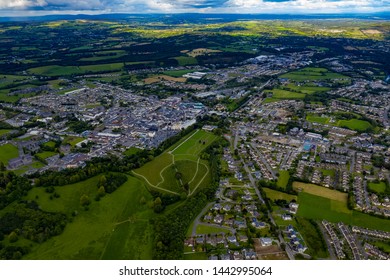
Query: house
(250, 255)
(218, 219)
(266, 241)
(293, 207)
(232, 239)
(286, 217)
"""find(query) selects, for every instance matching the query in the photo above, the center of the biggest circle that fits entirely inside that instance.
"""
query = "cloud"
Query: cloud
(218, 6)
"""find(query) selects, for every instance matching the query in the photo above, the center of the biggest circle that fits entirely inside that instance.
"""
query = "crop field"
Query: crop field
(179, 165)
(377, 187)
(275, 195)
(284, 176)
(116, 227)
(321, 191)
(7, 152)
(355, 124)
(319, 208)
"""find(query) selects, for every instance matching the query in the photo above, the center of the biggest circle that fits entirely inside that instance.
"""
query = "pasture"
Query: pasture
(7, 152)
(275, 195)
(354, 124)
(284, 177)
(320, 208)
(321, 191)
(377, 187)
(116, 227)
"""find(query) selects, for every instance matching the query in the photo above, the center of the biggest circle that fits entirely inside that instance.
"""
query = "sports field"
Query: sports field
(179, 165)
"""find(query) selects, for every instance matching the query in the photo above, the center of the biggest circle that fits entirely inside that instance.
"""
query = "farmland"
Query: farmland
(116, 227)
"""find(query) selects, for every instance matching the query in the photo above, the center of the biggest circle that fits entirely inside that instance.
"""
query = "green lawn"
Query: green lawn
(377, 187)
(4, 132)
(320, 208)
(355, 124)
(116, 227)
(317, 119)
(194, 144)
(203, 229)
(50, 144)
(195, 256)
(131, 151)
(284, 176)
(274, 195)
(285, 94)
(45, 155)
(72, 140)
(7, 152)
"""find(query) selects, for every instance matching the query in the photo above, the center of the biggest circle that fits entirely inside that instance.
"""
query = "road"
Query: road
(196, 221)
(328, 242)
(265, 162)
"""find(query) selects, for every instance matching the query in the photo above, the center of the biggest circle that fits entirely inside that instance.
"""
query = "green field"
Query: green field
(195, 256)
(186, 60)
(317, 119)
(275, 195)
(7, 152)
(72, 140)
(116, 227)
(285, 94)
(4, 132)
(321, 191)
(313, 74)
(307, 88)
(284, 176)
(355, 124)
(320, 208)
(180, 164)
(57, 70)
(131, 151)
(45, 155)
(377, 187)
(50, 144)
(203, 229)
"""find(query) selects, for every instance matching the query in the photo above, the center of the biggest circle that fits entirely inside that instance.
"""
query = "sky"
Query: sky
(44, 7)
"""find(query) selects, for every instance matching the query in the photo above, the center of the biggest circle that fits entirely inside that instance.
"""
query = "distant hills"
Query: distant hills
(199, 18)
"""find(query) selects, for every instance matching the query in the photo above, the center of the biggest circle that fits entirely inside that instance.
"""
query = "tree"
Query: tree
(101, 191)
(102, 181)
(157, 205)
(178, 175)
(13, 237)
(84, 200)
(2, 166)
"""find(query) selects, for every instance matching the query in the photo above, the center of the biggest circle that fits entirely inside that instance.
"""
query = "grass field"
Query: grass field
(195, 256)
(7, 152)
(274, 195)
(312, 74)
(377, 187)
(72, 140)
(320, 208)
(45, 155)
(355, 124)
(4, 132)
(317, 119)
(186, 60)
(131, 151)
(285, 94)
(284, 176)
(57, 70)
(116, 227)
(182, 158)
(321, 191)
(203, 229)
(50, 144)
